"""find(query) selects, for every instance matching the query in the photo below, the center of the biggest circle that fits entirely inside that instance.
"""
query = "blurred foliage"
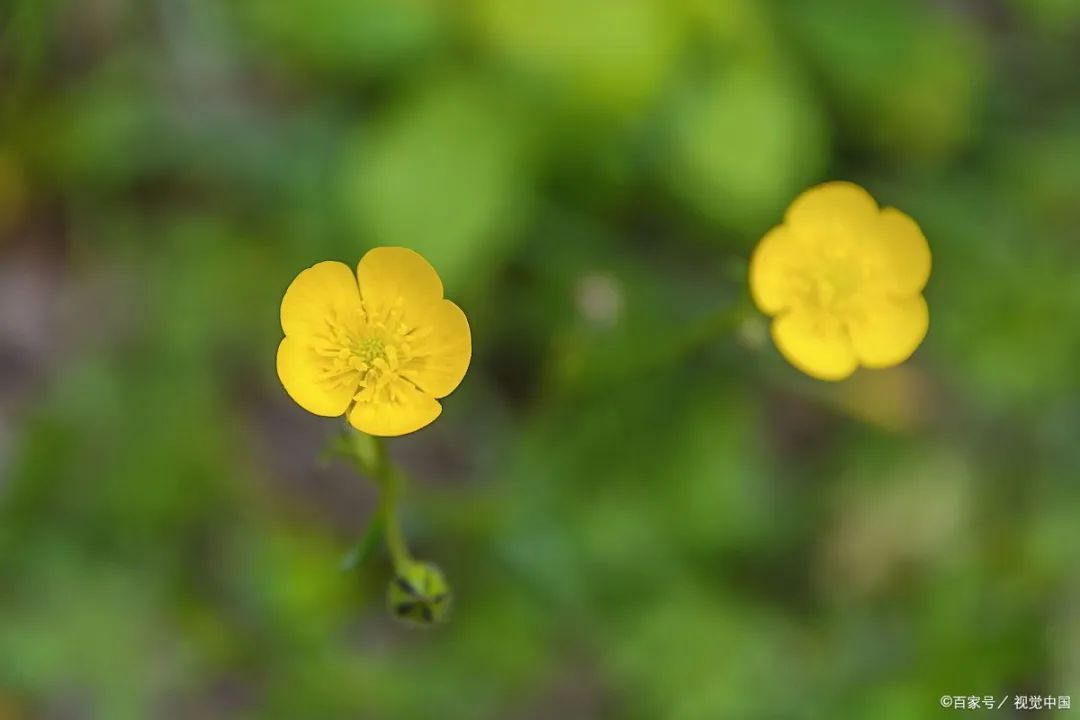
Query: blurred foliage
(640, 519)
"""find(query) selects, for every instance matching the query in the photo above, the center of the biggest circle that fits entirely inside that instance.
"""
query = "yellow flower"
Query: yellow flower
(843, 281)
(382, 345)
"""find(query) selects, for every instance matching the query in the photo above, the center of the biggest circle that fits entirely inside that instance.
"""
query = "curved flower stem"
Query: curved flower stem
(709, 328)
(418, 592)
(369, 456)
(689, 340)
(389, 481)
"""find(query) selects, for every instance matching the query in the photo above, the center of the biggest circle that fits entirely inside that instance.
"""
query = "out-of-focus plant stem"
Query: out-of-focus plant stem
(368, 454)
(389, 482)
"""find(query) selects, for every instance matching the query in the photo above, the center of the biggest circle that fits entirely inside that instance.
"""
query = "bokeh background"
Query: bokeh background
(643, 514)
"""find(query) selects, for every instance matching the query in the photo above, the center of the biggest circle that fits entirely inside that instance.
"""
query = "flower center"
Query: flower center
(838, 283)
(835, 279)
(372, 352)
(371, 349)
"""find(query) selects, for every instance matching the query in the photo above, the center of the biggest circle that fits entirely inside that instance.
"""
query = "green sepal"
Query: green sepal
(419, 594)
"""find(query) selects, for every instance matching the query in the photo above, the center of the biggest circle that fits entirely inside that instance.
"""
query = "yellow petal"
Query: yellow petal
(392, 275)
(885, 331)
(302, 373)
(906, 253)
(773, 266)
(824, 209)
(389, 419)
(443, 353)
(325, 290)
(815, 343)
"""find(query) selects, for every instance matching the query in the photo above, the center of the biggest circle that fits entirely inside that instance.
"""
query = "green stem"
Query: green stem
(709, 328)
(696, 336)
(389, 482)
(369, 456)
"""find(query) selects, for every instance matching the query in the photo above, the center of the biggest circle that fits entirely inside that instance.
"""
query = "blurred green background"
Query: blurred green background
(637, 523)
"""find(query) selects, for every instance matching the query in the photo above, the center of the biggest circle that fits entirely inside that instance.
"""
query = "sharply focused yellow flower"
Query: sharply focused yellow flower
(382, 345)
(843, 281)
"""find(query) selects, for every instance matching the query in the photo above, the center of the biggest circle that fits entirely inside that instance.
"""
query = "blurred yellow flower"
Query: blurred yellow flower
(382, 345)
(843, 281)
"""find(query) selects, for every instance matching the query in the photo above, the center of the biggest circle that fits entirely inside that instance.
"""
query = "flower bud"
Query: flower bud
(419, 594)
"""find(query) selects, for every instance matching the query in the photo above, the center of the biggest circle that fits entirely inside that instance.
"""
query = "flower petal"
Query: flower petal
(303, 375)
(775, 263)
(443, 354)
(389, 419)
(392, 275)
(832, 213)
(815, 343)
(325, 290)
(906, 252)
(887, 330)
